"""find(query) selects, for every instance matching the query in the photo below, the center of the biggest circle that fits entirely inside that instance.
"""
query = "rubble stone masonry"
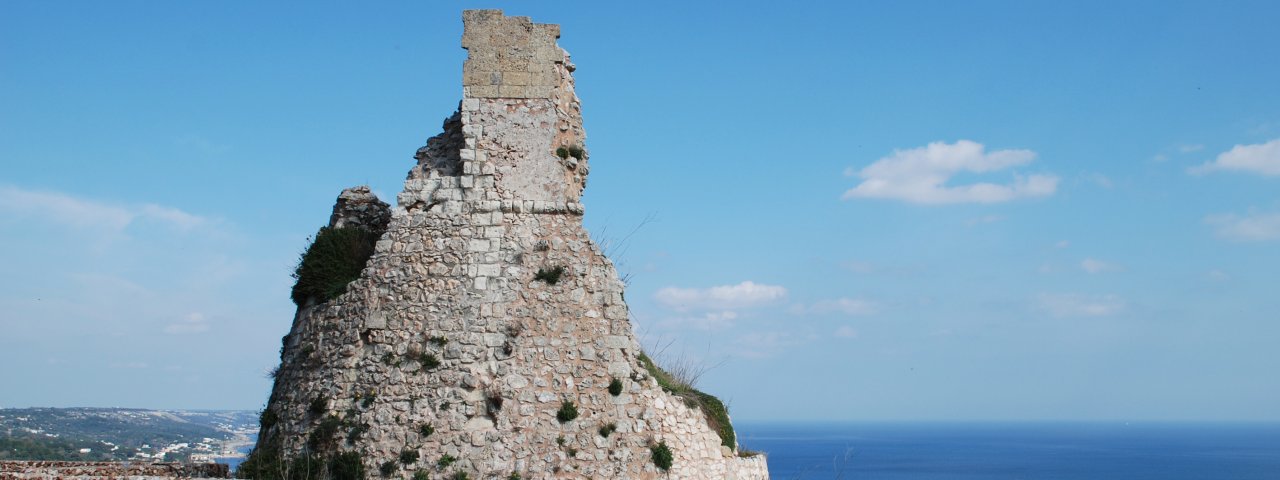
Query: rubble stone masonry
(456, 342)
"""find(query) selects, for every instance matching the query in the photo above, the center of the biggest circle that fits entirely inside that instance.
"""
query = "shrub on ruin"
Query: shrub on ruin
(267, 419)
(662, 456)
(323, 434)
(568, 411)
(446, 460)
(429, 361)
(426, 430)
(318, 406)
(408, 456)
(608, 429)
(550, 276)
(615, 387)
(347, 466)
(576, 152)
(334, 259)
(387, 468)
(357, 431)
(421, 475)
(563, 153)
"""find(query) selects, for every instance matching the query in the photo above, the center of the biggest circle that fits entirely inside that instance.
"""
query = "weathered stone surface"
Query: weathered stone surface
(11, 469)
(359, 207)
(456, 322)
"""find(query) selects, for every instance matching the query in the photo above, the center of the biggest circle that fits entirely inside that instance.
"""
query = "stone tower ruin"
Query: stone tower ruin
(486, 336)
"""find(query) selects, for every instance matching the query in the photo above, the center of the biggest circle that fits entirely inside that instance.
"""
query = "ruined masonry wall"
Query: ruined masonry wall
(487, 206)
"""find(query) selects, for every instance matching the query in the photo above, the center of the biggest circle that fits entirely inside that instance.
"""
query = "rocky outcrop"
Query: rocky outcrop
(488, 336)
(359, 207)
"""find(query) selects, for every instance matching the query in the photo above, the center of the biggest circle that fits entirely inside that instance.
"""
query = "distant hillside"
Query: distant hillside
(121, 433)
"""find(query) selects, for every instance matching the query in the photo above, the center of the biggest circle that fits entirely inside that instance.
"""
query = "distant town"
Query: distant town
(124, 434)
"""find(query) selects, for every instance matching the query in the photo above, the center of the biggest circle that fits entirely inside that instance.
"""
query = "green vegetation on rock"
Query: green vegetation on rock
(662, 456)
(714, 410)
(568, 411)
(334, 259)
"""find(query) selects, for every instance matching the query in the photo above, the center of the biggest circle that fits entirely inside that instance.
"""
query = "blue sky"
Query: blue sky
(882, 211)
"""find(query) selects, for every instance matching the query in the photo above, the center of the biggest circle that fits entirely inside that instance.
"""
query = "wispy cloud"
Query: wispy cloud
(1260, 158)
(842, 306)
(920, 175)
(1100, 180)
(763, 344)
(724, 297)
(1093, 265)
(192, 323)
(1079, 305)
(710, 321)
(75, 212)
(983, 220)
(1251, 227)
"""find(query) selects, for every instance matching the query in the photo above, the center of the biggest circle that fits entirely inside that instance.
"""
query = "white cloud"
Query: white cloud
(169, 215)
(1262, 158)
(919, 175)
(1062, 244)
(193, 323)
(846, 332)
(75, 212)
(1218, 275)
(843, 306)
(711, 321)
(725, 297)
(1093, 265)
(1078, 305)
(1253, 227)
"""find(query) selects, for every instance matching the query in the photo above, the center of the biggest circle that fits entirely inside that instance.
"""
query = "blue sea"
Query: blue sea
(1006, 451)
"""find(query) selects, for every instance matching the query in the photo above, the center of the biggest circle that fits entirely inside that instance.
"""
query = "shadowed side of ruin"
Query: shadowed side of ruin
(487, 335)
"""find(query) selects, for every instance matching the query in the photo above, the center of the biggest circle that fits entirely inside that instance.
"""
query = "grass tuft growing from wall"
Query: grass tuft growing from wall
(713, 409)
